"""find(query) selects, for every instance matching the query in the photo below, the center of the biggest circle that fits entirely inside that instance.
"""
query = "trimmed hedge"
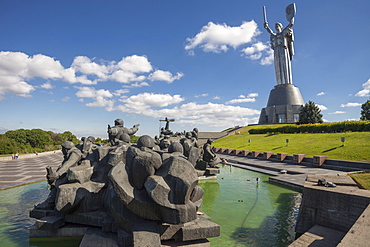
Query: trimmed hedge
(346, 126)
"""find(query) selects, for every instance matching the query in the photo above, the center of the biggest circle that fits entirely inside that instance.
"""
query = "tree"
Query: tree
(365, 110)
(310, 114)
(7, 145)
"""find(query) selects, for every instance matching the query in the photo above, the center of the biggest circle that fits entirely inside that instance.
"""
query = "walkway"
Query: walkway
(27, 168)
(295, 174)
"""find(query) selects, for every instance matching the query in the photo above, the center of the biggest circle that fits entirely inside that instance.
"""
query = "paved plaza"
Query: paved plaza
(27, 168)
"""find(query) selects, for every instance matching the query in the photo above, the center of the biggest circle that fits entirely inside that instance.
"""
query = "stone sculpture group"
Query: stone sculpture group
(137, 194)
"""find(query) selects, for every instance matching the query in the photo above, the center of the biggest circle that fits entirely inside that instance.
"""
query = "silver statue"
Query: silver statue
(282, 44)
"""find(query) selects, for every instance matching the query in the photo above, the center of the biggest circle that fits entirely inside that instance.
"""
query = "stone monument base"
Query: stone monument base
(100, 230)
(283, 106)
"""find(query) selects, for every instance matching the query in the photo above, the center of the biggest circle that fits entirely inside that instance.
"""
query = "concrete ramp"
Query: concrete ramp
(204, 136)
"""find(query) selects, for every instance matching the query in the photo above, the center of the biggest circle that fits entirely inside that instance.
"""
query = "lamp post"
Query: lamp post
(342, 139)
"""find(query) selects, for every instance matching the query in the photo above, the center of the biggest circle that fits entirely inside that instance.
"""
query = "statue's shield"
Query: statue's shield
(290, 11)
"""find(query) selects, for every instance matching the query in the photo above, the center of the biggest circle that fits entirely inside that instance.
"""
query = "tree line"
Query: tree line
(34, 140)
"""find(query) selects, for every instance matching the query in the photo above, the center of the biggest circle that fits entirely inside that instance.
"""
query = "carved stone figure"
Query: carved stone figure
(209, 156)
(117, 130)
(72, 156)
(137, 195)
(282, 44)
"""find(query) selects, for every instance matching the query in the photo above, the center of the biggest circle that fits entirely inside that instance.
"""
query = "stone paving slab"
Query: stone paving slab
(358, 235)
(27, 169)
(319, 236)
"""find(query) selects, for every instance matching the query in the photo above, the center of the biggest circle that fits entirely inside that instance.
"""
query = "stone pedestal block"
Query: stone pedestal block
(319, 160)
(297, 158)
(281, 156)
(245, 153)
(267, 155)
(212, 171)
(256, 153)
(146, 235)
(49, 223)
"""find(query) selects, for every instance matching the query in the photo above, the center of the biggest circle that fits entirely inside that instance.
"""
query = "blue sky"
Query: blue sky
(78, 65)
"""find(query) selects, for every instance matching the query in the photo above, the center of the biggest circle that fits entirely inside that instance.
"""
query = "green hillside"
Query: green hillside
(356, 146)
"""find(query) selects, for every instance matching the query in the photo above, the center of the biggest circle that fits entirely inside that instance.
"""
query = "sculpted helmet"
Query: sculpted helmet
(188, 135)
(118, 122)
(68, 145)
(145, 141)
(175, 147)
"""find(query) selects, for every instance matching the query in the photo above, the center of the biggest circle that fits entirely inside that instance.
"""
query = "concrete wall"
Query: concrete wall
(333, 207)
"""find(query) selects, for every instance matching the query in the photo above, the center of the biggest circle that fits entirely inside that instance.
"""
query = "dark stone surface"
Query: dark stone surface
(127, 195)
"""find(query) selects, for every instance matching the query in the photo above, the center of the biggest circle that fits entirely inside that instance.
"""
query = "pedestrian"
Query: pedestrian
(16, 155)
(12, 156)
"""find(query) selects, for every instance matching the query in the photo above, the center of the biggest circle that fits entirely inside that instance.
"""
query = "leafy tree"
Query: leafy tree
(365, 110)
(134, 138)
(310, 114)
(38, 138)
(35, 138)
(7, 145)
(65, 136)
(102, 141)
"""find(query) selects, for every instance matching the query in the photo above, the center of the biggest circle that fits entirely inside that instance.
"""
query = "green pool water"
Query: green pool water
(249, 213)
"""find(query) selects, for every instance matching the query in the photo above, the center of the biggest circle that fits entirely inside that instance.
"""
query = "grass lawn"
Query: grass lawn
(356, 146)
(363, 179)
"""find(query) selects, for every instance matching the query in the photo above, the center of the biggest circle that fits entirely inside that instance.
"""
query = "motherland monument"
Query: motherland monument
(126, 194)
(285, 100)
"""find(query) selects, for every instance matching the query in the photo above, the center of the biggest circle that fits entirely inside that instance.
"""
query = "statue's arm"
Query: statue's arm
(266, 26)
(289, 27)
(133, 130)
(72, 159)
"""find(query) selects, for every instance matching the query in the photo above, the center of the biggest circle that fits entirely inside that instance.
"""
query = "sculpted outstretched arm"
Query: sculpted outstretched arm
(266, 26)
(290, 25)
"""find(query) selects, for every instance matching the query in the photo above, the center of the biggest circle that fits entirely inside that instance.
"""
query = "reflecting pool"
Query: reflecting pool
(15, 204)
(250, 210)
(250, 213)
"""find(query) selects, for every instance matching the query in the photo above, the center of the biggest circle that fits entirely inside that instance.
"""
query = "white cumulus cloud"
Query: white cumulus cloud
(337, 112)
(47, 85)
(242, 99)
(140, 103)
(320, 94)
(17, 70)
(322, 107)
(160, 75)
(201, 95)
(350, 104)
(365, 92)
(219, 37)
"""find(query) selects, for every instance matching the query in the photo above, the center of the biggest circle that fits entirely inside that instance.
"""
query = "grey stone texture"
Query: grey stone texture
(333, 207)
(125, 195)
(283, 99)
